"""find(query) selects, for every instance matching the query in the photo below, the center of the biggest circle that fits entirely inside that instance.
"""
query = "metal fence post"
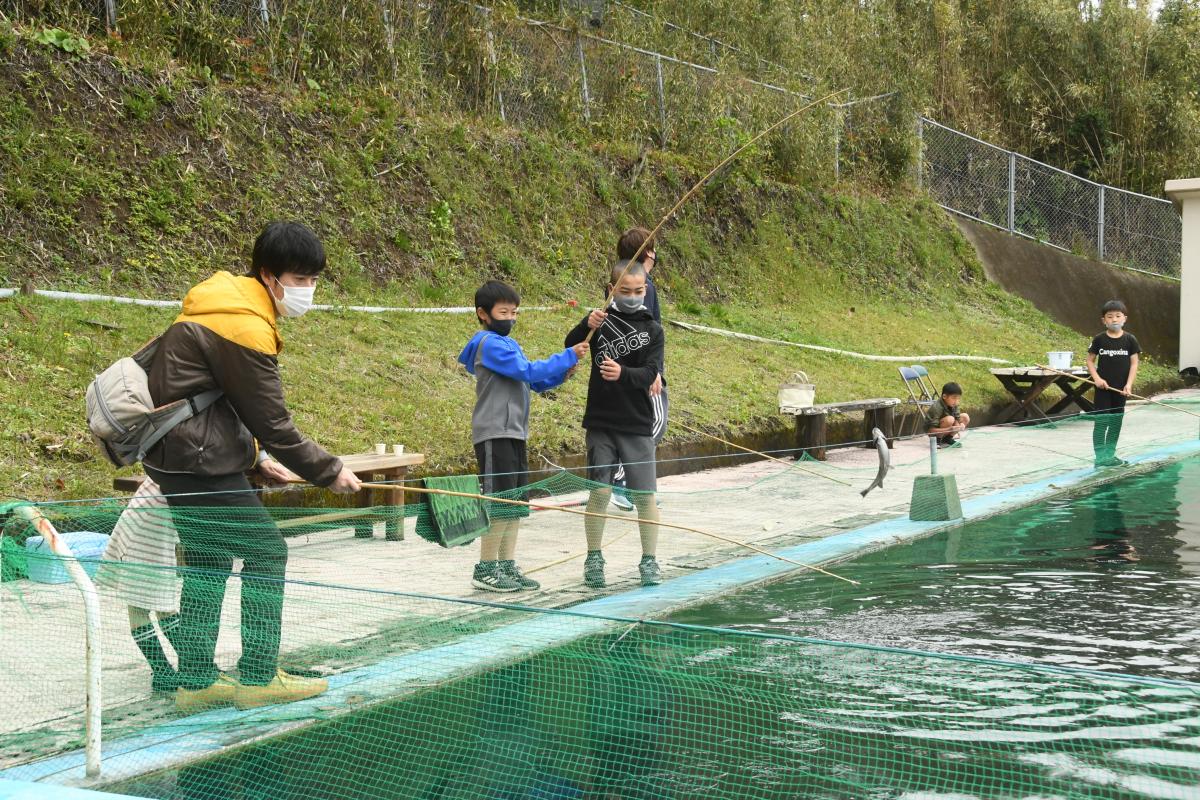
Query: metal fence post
(263, 13)
(491, 46)
(390, 33)
(920, 150)
(587, 100)
(1100, 226)
(110, 14)
(662, 103)
(837, 145)
(1012, 192)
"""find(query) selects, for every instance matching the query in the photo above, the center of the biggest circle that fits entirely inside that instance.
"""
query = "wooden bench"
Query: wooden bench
(368, 467)
(877, 412)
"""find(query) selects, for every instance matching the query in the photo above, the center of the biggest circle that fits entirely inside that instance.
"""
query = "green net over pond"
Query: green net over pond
(432, 696)
(645, 710)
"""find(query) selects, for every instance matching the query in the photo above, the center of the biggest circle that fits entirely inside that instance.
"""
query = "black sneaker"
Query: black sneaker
(593, 570)
(650, 572)
(489, 577)
(509, 568)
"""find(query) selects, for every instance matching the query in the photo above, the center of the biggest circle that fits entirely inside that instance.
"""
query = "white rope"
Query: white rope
(137, 301)
(850, 353)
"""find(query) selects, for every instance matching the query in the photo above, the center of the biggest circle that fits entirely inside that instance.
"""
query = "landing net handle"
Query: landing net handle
(91, 611)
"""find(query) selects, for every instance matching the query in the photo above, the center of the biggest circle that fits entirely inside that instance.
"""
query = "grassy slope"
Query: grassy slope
(142, 184)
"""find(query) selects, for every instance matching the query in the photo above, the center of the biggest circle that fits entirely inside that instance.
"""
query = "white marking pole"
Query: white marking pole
(1186, 196)
(91, 611)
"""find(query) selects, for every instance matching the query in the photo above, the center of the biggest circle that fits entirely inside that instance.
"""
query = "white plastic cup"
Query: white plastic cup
(1059, 359)
(397, 449)
(381, 449)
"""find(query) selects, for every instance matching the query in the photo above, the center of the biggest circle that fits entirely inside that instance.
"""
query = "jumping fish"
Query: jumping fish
(885, 460)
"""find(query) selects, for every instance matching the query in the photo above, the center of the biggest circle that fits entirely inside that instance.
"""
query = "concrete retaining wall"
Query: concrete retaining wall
(1071, 289)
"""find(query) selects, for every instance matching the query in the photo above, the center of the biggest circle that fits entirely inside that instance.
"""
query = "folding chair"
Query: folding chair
(927, 390)
(916, 383)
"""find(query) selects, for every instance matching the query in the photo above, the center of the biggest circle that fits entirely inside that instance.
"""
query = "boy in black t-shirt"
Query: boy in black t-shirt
(1113, 364)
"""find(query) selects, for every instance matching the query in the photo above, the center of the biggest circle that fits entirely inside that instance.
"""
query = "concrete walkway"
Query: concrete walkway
(355, 600)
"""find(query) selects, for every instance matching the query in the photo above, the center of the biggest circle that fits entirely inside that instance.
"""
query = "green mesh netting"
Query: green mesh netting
(646, 710)
(437, 697)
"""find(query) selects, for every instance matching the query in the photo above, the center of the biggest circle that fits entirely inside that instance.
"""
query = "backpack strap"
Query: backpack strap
(191, 408)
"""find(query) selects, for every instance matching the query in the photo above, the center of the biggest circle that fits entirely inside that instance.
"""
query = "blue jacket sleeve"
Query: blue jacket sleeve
(503, 356)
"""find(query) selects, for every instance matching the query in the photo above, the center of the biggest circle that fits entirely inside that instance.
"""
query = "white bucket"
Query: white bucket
(1059, 359)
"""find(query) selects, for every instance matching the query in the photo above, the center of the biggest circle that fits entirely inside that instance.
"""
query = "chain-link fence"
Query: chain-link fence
(1026, 197)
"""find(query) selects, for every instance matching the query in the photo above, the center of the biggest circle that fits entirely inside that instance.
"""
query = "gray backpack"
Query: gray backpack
(121, 414)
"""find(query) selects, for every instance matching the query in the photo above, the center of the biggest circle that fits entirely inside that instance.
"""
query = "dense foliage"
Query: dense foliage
(1104, 88)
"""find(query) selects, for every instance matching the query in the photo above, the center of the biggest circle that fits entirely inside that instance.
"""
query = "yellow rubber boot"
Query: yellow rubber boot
(284, 688)
(220, 693)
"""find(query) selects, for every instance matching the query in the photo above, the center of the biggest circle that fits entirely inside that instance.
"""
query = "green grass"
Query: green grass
(355, 379)
(148, 195)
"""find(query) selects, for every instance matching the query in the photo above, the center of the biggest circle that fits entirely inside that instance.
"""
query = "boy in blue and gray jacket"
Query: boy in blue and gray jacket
(500, 425)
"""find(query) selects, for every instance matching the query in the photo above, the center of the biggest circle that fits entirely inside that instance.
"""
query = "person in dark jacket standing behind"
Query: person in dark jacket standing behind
(227, 338)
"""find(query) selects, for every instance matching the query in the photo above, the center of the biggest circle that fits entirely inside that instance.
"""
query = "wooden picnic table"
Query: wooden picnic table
(878, 412)
(369, 467)
(1026, 385)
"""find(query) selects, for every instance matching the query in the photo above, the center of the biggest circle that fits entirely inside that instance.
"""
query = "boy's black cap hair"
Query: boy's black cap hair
(623, 267)
(493, 292)
(951, 388)
(287, 247)
(1113, 305)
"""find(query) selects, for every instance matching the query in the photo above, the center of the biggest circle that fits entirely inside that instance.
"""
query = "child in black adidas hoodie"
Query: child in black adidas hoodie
(627, 356)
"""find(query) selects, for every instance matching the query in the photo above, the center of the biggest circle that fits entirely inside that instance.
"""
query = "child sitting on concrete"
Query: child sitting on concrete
(946, 419)
(500, 425)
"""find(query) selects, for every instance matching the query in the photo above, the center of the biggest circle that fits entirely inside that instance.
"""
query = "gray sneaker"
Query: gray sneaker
(649, 570)
(509, 568)
(593, 570)
(1111, 461)
(489, 577)
(621, 501)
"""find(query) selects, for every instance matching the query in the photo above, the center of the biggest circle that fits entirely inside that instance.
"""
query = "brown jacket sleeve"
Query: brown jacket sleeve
(251, 383)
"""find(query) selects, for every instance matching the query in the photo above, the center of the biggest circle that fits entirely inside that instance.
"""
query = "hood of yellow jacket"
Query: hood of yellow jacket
(237, 308)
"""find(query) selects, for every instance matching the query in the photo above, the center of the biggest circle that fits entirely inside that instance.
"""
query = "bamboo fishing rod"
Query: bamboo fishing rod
(699, 184)
(537, 506)
(788, 464)
(1131, 394)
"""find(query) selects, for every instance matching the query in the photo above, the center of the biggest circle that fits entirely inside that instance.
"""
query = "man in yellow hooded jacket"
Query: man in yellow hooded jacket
(227, 338)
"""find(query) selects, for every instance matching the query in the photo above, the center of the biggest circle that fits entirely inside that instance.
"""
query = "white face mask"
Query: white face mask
(296, 300)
